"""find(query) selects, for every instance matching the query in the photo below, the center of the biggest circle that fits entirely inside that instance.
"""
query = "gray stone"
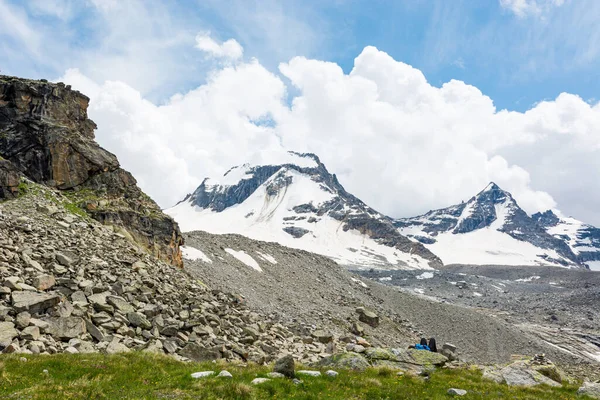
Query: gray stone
(275, 375)
(32, 263)
(44, 282)
(369, 318)
(64, 259)
(23, 319)
(323, 336)
(120, 304)
(30, 333)
(225, 374)
(13, 283)
(258, 381)
(138, 319)
(33, 302)
(285, 366)
(202, 374)
(195, 352)
(115, 347)
(66, 328)
(94, 331)
(309, 373)
(590, 389)
(456, 392)
(7, 333)
(331, 373)
(345, 361)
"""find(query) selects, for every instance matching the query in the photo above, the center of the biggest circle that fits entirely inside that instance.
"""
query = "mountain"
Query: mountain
(490, 228)
(296, 202)
(583, 239)
(47, 137)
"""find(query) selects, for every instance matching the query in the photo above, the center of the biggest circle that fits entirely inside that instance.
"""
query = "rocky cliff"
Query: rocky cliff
(46, 135)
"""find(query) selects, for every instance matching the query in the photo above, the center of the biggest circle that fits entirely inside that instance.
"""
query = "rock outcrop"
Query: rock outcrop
(46, 135)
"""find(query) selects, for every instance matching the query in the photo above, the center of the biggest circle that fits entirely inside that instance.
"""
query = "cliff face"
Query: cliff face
(45, 134)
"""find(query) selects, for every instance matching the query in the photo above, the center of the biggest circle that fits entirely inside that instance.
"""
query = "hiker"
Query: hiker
(432, 345)
(422, 345)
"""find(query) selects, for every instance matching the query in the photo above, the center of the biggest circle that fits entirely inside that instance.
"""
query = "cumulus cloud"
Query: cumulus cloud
(394, 140)
(229, 50)
(523, 8)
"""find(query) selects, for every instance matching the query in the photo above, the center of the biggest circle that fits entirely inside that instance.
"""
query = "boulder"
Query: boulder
(7, 333)
(202, 374)
(120, 304)
(456, 392)
(285, 366)
(65, 328)
(322, 336)
(352, 361)
(44, 282)
(139, 320)
(519, 373)
(33, 302)
(195, 352)
(368, 317)
(590, 389)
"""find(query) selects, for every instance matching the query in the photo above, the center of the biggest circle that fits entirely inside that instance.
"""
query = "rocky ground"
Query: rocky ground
(312, 292)
(70, 284)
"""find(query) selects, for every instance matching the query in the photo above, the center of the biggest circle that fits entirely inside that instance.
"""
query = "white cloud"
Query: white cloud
(230, 49)
(395, 141)
(523, 8)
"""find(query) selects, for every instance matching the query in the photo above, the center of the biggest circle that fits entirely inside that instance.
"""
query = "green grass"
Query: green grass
(144, 376)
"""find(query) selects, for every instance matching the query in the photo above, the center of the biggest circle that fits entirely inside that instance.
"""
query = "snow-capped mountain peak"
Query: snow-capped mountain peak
(490, 228)
(583, 239)
(298, 203)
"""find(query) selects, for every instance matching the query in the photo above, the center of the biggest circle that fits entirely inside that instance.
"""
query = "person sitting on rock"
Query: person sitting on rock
(432, 345)
(422, 345)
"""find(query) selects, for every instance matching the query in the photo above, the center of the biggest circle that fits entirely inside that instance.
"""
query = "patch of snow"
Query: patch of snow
(193, 254)
(420, 291)
(594, 265)
(531, 278)
(497, 288)
(245, 258)
(477, 294)
(386, 278)
(452, 283)
(261, 217)
(425, 275)
(267, 257)
(487, 246)
(361, 283)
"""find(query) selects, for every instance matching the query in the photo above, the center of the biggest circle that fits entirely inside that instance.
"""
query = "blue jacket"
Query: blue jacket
(422, 347)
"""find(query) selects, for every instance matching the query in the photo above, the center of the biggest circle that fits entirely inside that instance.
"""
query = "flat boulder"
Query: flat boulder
(519, 373)
(590, 389)
(33, 302)
(195, 352)
(348, 360)
(65, 328)
(368, 317)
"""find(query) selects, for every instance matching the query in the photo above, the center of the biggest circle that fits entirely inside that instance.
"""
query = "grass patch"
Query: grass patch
(145, 376)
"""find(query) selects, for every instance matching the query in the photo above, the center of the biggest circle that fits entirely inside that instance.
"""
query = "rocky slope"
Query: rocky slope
(274, 279)
(70, 284)
(45, 135)
(298, 203)
(583, 239)
(490, 228)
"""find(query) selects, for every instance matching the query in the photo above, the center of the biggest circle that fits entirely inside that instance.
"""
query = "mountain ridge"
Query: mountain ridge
(312, 208)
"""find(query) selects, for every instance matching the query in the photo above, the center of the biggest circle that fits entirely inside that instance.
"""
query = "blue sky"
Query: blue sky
(517, 60)
(183, 89)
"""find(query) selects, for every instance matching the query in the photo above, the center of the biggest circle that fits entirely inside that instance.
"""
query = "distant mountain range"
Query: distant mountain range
(296, 202)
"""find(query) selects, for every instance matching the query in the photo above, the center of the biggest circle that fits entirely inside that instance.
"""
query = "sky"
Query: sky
(414, 104)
